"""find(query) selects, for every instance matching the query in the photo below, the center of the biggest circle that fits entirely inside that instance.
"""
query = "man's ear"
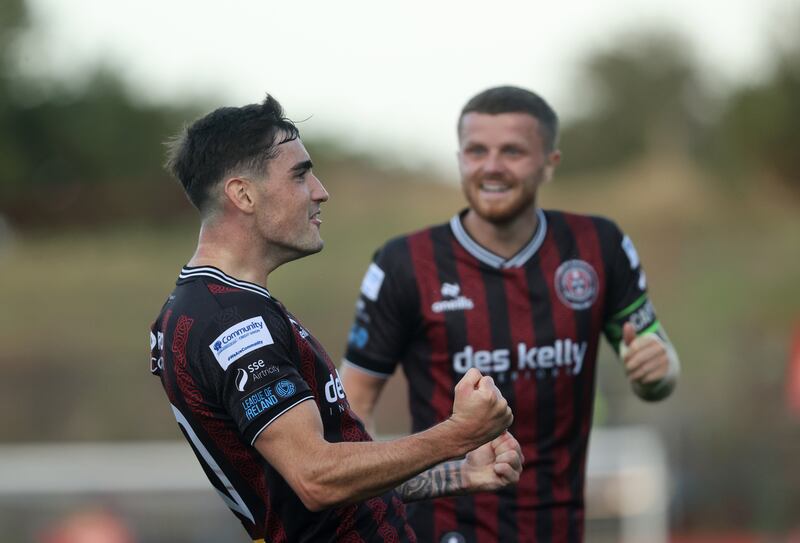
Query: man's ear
(239, 192)
(553, 160)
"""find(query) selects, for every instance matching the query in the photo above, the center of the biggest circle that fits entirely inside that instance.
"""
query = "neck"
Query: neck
(234, 251)
(503, 239)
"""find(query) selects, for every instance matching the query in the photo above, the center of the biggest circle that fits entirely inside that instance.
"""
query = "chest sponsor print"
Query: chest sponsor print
(565, 354)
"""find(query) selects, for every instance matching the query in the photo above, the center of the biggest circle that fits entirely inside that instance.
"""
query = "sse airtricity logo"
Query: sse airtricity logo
(241, 379)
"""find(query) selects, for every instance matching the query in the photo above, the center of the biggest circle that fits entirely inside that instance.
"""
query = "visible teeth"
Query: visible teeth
(493, 188)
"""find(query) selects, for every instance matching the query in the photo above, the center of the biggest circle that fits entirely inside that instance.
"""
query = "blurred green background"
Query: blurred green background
(706, 182)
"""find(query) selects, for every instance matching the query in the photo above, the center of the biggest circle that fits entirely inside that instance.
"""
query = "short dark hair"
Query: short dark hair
(227, 141)
(508, 99)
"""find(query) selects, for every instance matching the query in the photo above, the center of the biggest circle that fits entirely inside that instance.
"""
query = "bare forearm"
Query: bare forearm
(325, 474)
(443, 480)
(349, 472)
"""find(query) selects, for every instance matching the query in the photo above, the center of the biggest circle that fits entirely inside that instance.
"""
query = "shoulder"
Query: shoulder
(410, 245)
(219, 308)
(604, 226)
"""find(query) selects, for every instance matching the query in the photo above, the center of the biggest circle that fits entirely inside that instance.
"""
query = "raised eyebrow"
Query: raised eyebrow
(302, 167)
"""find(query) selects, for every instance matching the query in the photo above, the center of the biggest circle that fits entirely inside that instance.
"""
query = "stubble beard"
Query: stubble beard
(307, 247)
(507, 213)
(288, 248)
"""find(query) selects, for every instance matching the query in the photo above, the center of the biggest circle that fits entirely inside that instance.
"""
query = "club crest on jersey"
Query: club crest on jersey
(451, 299)
(576, 284)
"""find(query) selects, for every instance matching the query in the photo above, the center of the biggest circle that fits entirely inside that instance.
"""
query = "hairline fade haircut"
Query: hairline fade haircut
(229, 141)
(508, 99)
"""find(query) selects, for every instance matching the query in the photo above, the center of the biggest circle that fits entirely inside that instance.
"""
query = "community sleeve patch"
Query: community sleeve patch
(371, 284)
(239, 340)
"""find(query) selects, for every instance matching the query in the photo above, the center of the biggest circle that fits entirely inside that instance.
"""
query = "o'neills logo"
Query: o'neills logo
(452, 301)
(563, 353)
(460, 303)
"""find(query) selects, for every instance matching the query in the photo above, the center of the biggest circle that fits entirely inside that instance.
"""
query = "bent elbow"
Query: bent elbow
(318, 497)
(312, 504)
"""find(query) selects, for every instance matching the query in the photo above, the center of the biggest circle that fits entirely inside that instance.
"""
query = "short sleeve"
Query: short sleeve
(627, 290)
(254, 367)
(387, 311)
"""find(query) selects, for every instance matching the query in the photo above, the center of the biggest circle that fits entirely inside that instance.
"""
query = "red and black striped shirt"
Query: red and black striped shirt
(438, 303)
(232, 360)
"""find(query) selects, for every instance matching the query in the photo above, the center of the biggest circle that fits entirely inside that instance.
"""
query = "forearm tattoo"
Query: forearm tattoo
(442, 480)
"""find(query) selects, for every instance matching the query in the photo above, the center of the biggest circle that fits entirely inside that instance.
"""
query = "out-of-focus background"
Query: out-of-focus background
(681, 120)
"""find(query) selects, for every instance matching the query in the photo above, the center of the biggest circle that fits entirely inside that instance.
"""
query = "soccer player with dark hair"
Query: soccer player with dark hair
(256, 395)
(522, 294)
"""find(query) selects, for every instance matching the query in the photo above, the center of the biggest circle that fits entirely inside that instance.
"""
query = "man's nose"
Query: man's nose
(493, 163)
(319, 194)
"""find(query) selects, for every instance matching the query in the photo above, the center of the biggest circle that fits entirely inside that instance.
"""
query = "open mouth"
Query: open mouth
(494, 188)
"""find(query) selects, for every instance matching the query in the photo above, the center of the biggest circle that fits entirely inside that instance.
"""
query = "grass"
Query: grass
(77, 304)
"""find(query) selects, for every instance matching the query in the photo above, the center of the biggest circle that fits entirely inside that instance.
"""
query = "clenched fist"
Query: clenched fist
(479, 409)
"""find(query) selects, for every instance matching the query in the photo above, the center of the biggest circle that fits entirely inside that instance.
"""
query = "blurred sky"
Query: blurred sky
(388, 76)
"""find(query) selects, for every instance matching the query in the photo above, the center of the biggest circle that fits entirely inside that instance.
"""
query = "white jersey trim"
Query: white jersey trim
(219, 275)
(362, 369)
(232, 498)
(493, 260)
(270, 421)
